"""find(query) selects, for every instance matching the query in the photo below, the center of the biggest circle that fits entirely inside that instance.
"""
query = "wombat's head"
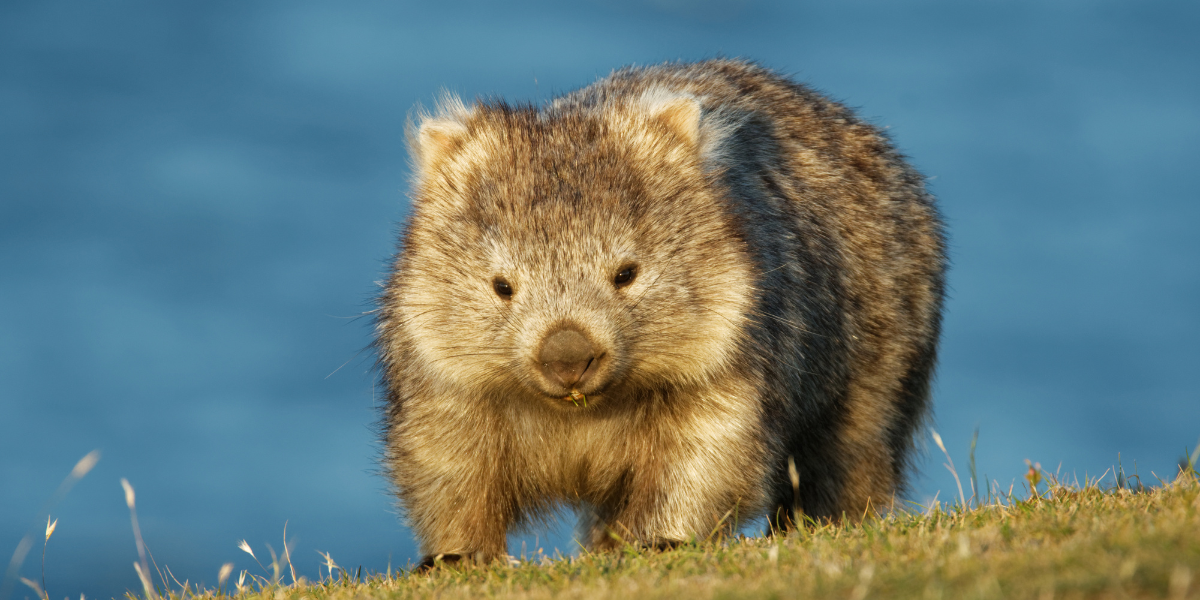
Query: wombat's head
(568, 253)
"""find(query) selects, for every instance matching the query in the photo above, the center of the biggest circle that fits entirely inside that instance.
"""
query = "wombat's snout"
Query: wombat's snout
(569, 358)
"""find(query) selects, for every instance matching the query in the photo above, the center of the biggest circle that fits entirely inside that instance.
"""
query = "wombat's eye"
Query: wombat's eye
(503, 289)
(625, 275)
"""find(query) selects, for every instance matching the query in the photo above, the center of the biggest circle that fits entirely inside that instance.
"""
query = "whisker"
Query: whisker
(474, 354)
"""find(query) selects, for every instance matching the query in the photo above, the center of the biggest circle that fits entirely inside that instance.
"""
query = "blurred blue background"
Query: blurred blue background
(196, 197)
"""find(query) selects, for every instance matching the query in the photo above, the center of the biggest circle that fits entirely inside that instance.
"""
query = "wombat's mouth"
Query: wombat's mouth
(577, 398)
(577, 395)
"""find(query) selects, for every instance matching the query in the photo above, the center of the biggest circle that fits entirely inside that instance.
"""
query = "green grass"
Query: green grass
(1061, 541)
(1066, 542)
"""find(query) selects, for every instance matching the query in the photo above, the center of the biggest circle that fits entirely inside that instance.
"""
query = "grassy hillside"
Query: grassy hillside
(1066, 542)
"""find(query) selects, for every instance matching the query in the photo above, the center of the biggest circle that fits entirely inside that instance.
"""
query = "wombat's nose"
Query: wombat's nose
(566, 357)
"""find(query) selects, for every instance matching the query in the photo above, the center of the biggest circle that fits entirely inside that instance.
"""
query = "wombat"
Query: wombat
(648, 299)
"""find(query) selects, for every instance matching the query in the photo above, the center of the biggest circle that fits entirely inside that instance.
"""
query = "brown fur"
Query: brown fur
(786, 297)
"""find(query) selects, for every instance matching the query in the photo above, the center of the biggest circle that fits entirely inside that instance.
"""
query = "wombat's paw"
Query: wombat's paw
(456, 560)
(436, 560)
(612, 542)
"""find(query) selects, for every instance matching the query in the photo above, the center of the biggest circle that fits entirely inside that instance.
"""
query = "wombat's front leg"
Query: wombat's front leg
(683, 480)
(455, 492)
(658, 514)
(459, 519)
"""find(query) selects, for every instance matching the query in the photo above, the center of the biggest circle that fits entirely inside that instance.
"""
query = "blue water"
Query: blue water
(195, 200)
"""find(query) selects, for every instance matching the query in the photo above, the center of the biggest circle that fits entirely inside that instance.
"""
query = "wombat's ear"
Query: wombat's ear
(435, 137)
(679, 112)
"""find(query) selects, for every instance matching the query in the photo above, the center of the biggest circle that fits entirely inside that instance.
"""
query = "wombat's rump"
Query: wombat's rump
(645, 296)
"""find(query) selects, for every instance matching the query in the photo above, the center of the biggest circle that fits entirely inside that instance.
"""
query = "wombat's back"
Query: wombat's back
(730, 271)
(850, 257)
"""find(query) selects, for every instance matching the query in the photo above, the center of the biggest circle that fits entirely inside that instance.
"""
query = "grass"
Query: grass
(1062, 541)
(1050, 540)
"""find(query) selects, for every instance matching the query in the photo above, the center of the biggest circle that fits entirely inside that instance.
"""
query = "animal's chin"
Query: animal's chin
(554, 389)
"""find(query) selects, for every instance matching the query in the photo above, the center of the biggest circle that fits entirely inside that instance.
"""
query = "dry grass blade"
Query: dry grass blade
(81, 468)
(49, 532)
(85, 465)
(329, 564)
(794, 477)
(244, 547)
(142, 566)
(287, 553)
(33, 585)
(717, 527)
(937, 439)
(223, 574)
(144, 577)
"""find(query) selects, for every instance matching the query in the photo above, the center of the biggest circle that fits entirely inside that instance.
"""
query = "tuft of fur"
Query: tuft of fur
(644, 299)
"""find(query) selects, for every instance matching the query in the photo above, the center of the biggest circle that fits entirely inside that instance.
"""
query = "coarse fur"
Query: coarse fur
(644, 299)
